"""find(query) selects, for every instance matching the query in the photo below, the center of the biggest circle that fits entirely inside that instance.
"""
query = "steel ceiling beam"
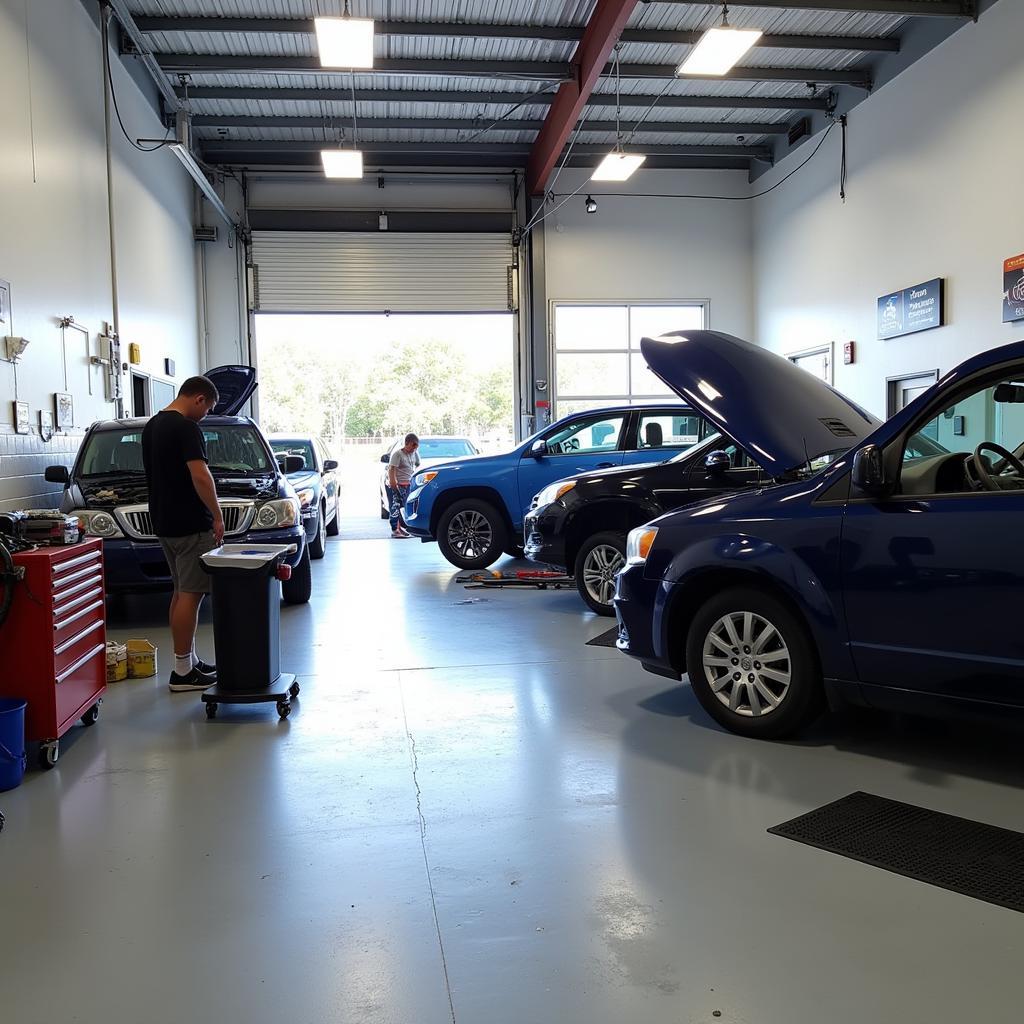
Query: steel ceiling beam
(820, 76)
(477, 124)
(914, 8)
(606, 23)
(502, 99)
(553, 33)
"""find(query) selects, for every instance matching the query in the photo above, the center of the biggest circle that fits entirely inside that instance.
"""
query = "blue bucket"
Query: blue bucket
(12, 743)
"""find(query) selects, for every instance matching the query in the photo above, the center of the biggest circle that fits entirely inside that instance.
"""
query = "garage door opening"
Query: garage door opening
(362, 381)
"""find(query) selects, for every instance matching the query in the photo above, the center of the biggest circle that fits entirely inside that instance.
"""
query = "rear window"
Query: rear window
(445, 448)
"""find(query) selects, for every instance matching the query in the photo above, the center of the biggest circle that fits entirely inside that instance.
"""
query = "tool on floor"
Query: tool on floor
(539, 579)
(247, 626)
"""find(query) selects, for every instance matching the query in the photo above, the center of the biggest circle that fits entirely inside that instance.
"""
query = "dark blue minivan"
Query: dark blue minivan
(883, 566)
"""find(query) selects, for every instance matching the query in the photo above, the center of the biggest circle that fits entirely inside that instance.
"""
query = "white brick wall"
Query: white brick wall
(23, 460)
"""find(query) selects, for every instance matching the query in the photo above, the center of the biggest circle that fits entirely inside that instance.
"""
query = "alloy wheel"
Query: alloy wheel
(470, 534)
(747, 664)
(599, 570)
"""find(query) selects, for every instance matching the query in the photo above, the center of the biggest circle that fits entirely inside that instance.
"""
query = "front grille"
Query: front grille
(138, 523)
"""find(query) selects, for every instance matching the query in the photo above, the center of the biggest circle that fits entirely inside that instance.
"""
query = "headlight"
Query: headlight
(98, 524)
(306, 496)
(639, 543)
(422, 479)
(553, 492)
(272, 514)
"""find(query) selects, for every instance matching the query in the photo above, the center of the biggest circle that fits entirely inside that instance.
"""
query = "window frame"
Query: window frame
(595, 418)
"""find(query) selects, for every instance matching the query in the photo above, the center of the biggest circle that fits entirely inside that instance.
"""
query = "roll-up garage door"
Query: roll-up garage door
(374, 272)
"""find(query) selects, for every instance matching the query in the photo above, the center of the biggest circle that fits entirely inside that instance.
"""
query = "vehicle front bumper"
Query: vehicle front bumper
(132, 566)
(639, 607)
(416, 514)
(544, 535)
(310, 523)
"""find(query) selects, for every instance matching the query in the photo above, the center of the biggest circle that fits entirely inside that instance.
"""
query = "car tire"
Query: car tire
(598, 560)
(297, 590)
(318, 545)
(788, 700)
(472, 534)
(334, 526)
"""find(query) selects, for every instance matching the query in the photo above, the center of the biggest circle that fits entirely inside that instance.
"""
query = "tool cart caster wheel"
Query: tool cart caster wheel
(294, 689)
(48, 755)
(90, 717)
(211, 710)
(284, 709)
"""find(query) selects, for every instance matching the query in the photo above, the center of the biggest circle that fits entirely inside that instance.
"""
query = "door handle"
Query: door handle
(603, 465)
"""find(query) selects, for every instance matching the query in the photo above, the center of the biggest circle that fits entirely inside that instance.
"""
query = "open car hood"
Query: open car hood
(781, 415)
(235, 384)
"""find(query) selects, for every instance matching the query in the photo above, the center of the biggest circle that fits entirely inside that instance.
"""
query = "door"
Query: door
(140, 394)
(933, 575)
(702, 482)
(815, 360)
(330, 476)
(587, 442)
(655, 435)
(903, 390)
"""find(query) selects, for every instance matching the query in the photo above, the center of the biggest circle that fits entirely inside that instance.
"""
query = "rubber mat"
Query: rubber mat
(964, 856)
(606, 639)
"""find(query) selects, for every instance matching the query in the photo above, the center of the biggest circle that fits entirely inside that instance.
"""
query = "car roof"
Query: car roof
(137, 422)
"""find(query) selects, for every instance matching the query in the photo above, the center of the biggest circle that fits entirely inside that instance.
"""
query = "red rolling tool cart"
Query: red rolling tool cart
(53, 642)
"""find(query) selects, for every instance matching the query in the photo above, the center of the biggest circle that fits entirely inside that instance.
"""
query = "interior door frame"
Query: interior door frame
(827, 349)
(892, 384)
(147, 379)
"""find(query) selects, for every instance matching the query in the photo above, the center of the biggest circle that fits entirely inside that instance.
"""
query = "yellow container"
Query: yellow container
(141, 659)
(117, 662)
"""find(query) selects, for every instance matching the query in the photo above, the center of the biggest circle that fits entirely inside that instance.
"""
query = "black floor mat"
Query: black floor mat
(606, 639)
(953, 853)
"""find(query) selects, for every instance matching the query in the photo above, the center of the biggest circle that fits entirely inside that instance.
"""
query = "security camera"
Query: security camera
(591, 204)
(15, 347)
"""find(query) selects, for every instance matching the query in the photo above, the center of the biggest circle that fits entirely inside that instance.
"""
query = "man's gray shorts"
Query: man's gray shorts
(182, 554)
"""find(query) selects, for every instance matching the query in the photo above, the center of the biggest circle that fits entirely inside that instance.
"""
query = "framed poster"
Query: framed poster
(64, 410)
(21, 418)
(1013, 289)
(45, 424)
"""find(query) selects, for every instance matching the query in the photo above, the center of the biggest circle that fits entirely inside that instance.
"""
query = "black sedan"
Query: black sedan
(316, 485)
(580, 523)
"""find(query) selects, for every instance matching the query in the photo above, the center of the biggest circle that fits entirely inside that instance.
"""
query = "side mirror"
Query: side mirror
(868, 473)
(717, 463)
(385, 458)
(292, 464)
(330, 464)
(57, 475)
(539, 449)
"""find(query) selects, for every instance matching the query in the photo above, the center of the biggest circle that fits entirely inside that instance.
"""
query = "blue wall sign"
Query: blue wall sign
(919, 308)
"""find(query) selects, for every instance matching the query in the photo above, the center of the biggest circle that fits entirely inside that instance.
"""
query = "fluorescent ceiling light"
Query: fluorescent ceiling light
(342, 163)
(617, 166)
(718, 50)
(345, 42)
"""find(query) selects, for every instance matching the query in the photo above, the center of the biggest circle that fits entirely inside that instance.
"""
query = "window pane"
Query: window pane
(593, 374)
(644, 380)
(652, 321)
(670, 431)
(604, 327)
(588, 434)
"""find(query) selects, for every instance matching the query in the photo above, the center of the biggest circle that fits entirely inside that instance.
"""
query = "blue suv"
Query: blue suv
(474, 508)
(882, 566)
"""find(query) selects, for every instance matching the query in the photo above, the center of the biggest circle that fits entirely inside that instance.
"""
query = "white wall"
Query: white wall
(54, 235)
(644, 249)
(935, 161)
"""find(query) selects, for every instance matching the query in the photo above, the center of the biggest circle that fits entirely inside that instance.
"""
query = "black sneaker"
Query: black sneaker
(195, 680)
(206, 670)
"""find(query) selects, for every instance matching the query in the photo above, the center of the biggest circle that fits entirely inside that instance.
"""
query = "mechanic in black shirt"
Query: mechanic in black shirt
(186, 517)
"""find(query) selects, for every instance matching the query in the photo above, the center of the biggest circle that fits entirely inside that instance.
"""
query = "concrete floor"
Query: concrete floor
(473, 817)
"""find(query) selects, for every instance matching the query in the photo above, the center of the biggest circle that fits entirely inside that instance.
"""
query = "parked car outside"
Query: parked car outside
(888, 577)
(475, 508)
(432, 451)
(106, 489)
(316, 486)
(580, 524)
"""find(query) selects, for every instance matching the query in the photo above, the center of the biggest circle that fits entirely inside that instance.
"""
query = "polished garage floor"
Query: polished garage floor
(472, 816)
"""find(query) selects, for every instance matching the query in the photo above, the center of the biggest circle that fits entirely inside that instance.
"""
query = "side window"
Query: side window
(942, 455)
(587, 434)
(674, 431)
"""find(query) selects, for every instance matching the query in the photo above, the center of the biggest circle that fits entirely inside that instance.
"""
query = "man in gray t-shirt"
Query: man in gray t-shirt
(401, 469)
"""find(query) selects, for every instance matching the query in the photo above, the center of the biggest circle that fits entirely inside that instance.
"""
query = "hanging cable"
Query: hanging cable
(565, 159)
(842, 162)
(508, 113)
(355, 121)
(124, 131)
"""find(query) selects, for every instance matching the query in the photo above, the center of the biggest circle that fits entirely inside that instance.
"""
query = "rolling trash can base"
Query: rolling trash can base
(246, 627)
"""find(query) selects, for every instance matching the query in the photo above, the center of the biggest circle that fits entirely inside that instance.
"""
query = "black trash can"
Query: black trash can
(247, 627)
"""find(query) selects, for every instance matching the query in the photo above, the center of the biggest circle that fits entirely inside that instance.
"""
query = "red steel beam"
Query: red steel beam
(600, 36)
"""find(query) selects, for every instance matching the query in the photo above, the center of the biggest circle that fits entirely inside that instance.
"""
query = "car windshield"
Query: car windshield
(231, 449)
(445, 447)
(296, 446)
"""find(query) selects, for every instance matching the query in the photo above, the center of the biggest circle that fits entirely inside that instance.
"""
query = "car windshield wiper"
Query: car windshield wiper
(111, 473)
(232, 471)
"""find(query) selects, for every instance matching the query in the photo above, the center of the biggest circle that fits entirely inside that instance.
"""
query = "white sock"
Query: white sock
(183, 663)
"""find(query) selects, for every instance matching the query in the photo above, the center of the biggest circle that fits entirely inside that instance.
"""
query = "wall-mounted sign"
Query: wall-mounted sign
(919, 308)
(1013, 289)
